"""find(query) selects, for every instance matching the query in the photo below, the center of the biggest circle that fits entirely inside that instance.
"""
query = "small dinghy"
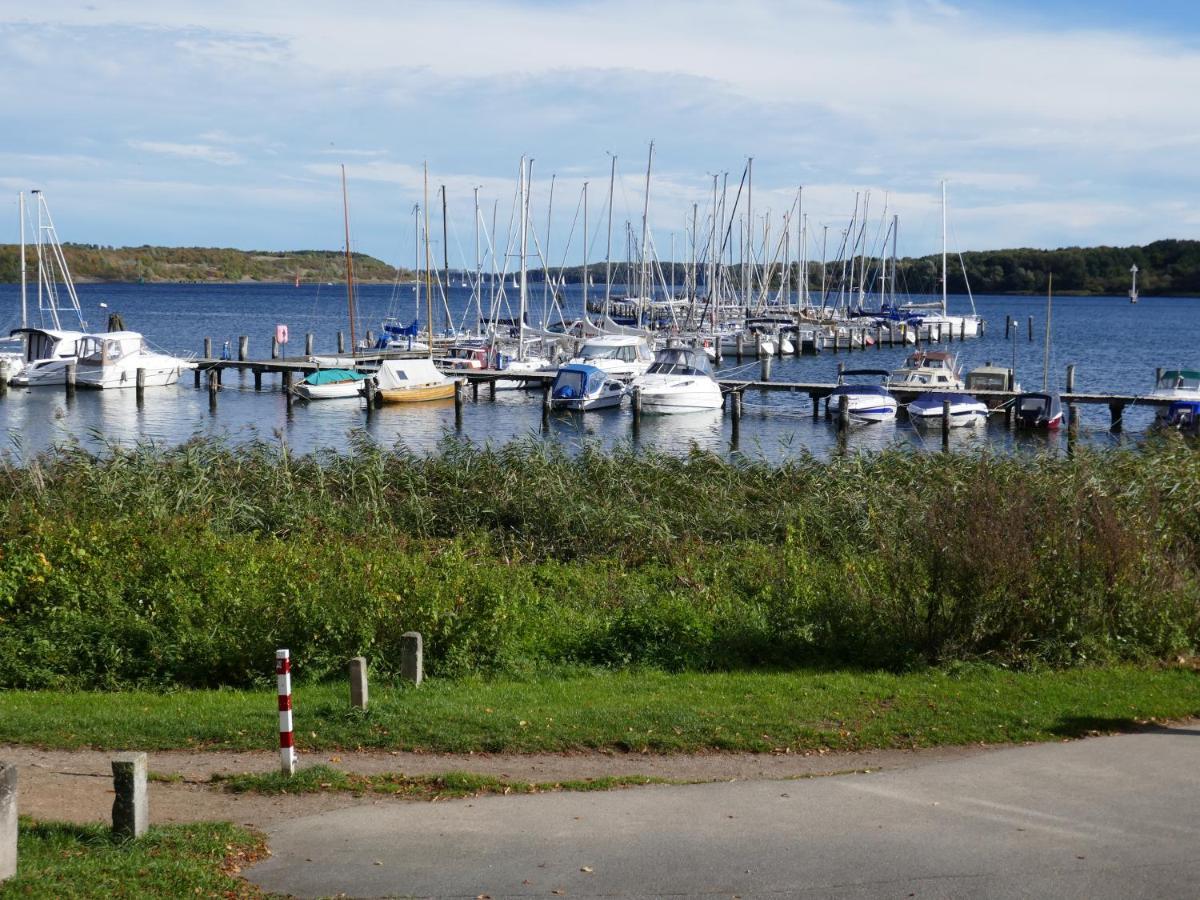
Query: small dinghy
(412, 381)
(965, 410)
(331, 384)
(582, 387)
(1039, 411)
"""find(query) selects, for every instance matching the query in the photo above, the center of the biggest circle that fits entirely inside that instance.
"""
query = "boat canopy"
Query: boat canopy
(680, 361)
(1177, 379)
(577, 380)
(333, 376)
(874, 390)
(405, 373)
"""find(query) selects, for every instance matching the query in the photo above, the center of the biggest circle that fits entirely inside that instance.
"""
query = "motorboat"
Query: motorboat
(929, 409)
(1183, 416)
(866, 403)
(927, 369)
(1038, 411)
(679, 380)
(48, 351)
(623, 356)
(582, 387)
(1173, 385)
(113, 359)
(992, 378)
(331, 384)
(462, 357)
(412, 381)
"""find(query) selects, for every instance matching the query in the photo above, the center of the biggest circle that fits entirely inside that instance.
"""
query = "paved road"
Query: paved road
(1106, 817)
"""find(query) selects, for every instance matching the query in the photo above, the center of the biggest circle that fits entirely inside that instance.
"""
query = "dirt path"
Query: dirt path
(77, 785)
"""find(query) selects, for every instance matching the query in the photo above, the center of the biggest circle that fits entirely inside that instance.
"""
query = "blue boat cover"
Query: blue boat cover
(333, 376)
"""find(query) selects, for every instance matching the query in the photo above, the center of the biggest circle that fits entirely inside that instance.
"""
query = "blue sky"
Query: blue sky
(1055, 123)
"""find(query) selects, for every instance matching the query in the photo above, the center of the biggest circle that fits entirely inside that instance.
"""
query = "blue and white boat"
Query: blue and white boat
(867, 403)
(331, 384)
(582, 387)
(965, 410)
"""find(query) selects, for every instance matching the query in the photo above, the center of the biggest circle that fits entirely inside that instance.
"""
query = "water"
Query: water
(1115, 346)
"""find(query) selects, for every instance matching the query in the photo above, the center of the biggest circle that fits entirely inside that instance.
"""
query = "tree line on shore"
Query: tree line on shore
(1167, 267)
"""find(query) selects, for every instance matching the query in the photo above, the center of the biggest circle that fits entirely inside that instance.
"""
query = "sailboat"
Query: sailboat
(1133, 291)
(1041, 410)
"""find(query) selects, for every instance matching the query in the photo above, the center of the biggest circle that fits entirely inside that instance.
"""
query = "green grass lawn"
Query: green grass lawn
(58, 860)
(628, 710)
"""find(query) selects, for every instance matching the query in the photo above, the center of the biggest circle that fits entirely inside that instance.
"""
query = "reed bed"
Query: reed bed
(189, 565)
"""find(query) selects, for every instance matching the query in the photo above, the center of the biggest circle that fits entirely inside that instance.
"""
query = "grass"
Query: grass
(58, 860)
(627, 711)
(320, 778)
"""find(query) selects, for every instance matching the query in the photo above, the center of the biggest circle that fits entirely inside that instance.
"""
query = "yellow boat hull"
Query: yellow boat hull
(418, 394)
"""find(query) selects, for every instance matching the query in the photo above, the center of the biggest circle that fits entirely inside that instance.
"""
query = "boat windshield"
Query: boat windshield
(1179, 381)
(680, 361)
(1032, 404)
(623, 352)
(987, 382)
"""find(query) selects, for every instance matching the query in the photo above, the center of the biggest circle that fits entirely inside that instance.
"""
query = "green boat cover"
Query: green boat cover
(333, 376)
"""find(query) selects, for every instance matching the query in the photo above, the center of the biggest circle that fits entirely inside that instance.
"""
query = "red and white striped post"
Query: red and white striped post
(287, 744)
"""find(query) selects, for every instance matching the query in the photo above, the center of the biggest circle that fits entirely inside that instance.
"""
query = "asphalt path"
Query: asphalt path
(1104, 817)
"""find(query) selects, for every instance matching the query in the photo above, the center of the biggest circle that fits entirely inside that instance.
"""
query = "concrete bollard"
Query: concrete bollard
(412, 657)
(131, 805)
(358, 682)
(8, 821)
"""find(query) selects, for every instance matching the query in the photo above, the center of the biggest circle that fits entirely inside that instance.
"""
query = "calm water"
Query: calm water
(1115, 346)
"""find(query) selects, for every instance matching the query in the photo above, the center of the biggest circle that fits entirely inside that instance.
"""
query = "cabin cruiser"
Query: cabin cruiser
(623, 356)
(113, 359)
(1175, 385)
(581, 387)
(992, 378)
(927, 369)
(412, 381)
(47, 353)
(866, 403)
(679, 380)
(461, 357)
(1038, 411)
(331, 384)
(929, 409)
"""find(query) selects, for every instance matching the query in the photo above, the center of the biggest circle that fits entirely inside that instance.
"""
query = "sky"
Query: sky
(1054, 123)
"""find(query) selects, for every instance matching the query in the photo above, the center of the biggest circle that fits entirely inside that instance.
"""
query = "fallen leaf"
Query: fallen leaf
(587, 869)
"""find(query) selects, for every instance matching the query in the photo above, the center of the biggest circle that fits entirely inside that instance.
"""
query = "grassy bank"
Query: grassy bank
(627, 711)
(61, 860)
(188, 567)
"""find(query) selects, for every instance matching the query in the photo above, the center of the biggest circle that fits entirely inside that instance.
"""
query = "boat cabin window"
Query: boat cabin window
(988, 382)
(680, 362)
(1031, 404)
(625, 352)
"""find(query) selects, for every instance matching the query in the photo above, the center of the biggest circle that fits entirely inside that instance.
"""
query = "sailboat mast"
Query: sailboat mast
(643, 275)
(349, 263)
(945, 286)
(612, 177)
(445, 262)
(585, 251)
(24, 275)
(1046, 352)
(428, 267)
(478, 269)
(895, 236)
(801, 249)
(748, 251)
(547, 276)
(524, 188)
(41, 264)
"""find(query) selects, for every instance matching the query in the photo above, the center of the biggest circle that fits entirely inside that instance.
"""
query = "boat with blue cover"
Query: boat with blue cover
(330, 384)
(582, 387)
(867, 403)
(965, 410)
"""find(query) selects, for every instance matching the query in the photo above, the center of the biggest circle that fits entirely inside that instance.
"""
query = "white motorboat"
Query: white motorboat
(623, 356)
(47, 353)
(929, 410)
(679, 380)
(581, 387)
(1176, 385)
(112, 360)
(925, 369)
(331, 384)
(866, 403)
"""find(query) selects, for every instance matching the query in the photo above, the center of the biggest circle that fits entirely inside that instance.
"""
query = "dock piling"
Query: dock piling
(765, 368)
(945, 424)
(816, 404)
(738, 346)
(545, 405)
(843, 412)
(274, 348)
(458, 402)
(140, 386)
(341, 342)
(308, 344)
(243, 347)
(208, 348)
(1072, 409)
(1031, 328)
(1007, 326)
(70, 379)
(1116, 412)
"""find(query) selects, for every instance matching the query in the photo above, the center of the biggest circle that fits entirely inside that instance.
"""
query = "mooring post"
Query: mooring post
(738, 346)
(196, 376)
(140, 385)
(758, 342)
(341, 342)
(1007, 326)
(368, 392)
(207, 354)
(717, 349)
(308, 343)
(283, 684)
(962, 329)
(1031, 328)
(1072, 409)
(735, 401)
(358, 682)
(212, 391)
(131, 805)
(843, 412)
(1158, 373)
(1116, 411)
(8, 821)
(879, 338)
(458, 402)
(492, 389)
(3, 378)
(765, 368)
(816, 404)
(287, 385)
(243, 347)
(475, 390)
(636, 403)
(945, 424)
(274, 347)
(412, 662)
(545, 404)
(841, 371)
(70, 379)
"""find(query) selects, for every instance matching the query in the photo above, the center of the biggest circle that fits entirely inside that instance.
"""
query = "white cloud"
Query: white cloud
(200, 152)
